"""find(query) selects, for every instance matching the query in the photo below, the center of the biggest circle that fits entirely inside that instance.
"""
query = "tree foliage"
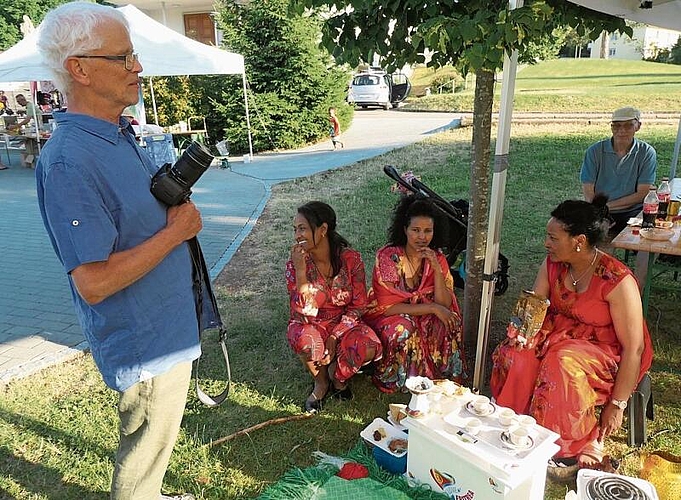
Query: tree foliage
(675, 52)
(11, 17)
(669, 56)
(472, 35)
(292, 82)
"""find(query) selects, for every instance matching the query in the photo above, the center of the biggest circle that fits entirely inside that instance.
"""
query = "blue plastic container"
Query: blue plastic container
(391, 463)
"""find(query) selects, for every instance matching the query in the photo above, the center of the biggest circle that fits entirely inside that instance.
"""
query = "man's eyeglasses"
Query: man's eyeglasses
(624, 125)
(129, 59)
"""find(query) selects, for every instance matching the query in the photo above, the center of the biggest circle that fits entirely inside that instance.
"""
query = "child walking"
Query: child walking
(334, 129)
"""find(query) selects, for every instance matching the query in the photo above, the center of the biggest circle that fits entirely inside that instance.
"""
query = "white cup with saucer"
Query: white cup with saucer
(526, 421)
(473, 425)
(507, 417)
(520, 437)
(480, 404)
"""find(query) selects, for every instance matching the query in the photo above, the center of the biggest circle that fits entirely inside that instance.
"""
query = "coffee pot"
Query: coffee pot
(419, 404)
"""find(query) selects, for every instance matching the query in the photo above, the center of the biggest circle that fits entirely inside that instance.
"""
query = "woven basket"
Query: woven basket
(663, 470)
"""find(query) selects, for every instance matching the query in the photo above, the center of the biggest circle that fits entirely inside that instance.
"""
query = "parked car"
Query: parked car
(374, 87)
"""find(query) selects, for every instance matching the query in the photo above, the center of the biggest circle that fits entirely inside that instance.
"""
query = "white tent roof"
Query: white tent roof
(162, 51)
(663, 13)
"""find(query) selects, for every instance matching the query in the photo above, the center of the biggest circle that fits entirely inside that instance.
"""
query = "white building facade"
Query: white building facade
(191, 18)
(645, 43)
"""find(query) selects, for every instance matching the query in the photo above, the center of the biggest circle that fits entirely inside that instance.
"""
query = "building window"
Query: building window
(612, 52)
(200, 27)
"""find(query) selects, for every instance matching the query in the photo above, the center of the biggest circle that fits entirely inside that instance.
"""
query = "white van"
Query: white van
(374, 87)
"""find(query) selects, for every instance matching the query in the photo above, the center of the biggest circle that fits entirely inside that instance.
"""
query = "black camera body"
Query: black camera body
(172, 184)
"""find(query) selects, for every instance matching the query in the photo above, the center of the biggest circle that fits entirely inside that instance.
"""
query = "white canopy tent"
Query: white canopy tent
(661, 13)
(664, 14)
(162, 52)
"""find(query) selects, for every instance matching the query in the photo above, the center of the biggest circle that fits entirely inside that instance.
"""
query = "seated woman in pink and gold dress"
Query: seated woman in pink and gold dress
(326, 284)
(593, 347)
(412, 305)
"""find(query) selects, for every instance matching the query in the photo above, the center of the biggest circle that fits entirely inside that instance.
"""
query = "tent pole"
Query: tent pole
(496, 208)
(248, 118)
(675, 158)
(153, 98)
(35, 116)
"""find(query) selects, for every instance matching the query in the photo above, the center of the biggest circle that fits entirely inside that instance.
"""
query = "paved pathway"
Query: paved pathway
(38, 326)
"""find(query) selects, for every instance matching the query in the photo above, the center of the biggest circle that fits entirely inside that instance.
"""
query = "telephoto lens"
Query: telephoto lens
(192, 164)
(172, 183)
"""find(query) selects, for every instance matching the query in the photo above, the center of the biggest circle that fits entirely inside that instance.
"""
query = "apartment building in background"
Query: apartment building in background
(644, 44)
(191, 18)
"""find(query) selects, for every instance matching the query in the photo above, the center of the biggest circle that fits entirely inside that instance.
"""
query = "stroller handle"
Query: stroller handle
(392, 172)
(420, 189)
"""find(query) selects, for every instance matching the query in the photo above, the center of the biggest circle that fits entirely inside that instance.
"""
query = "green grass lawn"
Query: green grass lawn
(570, 85)
(58, 428)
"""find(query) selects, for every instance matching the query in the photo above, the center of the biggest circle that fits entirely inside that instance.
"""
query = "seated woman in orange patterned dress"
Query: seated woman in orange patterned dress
(412, 305)
(594, 344)
(326, 284)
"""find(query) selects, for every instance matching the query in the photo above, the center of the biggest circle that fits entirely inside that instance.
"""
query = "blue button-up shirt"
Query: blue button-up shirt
(93, 191)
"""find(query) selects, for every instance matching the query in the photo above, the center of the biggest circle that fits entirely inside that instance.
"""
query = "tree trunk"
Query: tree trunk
(478, 211)
(605, 45)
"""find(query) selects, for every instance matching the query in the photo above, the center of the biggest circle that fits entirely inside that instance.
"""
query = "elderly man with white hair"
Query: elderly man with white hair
(124, 252)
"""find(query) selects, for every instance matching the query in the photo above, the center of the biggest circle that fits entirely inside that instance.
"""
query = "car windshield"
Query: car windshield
(366, 80)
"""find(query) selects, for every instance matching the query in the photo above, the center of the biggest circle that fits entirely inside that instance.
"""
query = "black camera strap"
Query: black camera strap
(207, 307)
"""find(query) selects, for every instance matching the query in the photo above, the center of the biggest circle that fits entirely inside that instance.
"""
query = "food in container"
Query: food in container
(657, 233)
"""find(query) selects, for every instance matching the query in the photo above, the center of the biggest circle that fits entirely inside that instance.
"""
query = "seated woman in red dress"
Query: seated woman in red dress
(412, 305)
(593, 346)
(326, 284)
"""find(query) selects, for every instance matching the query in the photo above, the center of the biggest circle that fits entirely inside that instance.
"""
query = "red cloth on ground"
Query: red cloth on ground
(352, 470)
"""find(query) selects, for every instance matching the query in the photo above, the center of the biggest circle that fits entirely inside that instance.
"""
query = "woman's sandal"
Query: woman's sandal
(313, 404)
(344, 394)
(596, 459)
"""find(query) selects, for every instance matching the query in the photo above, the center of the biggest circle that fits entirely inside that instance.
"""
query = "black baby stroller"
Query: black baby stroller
(457, 213)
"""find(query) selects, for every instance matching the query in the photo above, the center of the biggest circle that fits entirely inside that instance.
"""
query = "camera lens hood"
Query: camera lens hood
(198, 152)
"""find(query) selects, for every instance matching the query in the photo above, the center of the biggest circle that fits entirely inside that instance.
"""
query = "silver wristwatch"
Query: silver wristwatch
(622, 405)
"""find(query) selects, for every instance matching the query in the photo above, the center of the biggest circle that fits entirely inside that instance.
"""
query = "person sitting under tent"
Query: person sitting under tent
(621, 167)
(31, 112)
(28, 156)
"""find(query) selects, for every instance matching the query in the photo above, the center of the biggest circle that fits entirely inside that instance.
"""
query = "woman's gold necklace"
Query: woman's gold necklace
(581, 276)
(327, 278)
(414, 270)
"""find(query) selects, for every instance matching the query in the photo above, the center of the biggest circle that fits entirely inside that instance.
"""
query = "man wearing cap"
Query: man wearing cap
(621, 167)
